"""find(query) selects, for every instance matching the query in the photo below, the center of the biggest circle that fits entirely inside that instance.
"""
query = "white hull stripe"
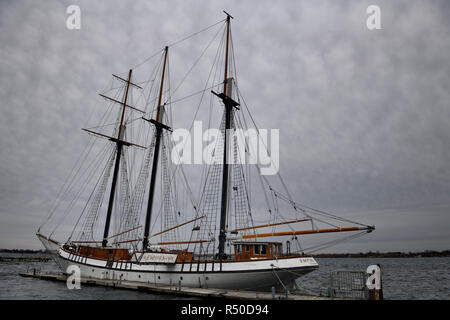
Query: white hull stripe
(193, 268)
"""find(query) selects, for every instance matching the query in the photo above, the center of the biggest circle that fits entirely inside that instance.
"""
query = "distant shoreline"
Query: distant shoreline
(22, 251)
(370, 254)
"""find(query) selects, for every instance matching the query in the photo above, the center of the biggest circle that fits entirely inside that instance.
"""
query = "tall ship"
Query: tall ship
(140, 206)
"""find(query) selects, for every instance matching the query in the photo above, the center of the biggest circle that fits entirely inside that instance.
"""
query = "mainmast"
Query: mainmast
(159, 127)
(229, 103)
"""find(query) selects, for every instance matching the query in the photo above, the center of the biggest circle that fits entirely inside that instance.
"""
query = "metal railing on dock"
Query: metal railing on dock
(348, 284)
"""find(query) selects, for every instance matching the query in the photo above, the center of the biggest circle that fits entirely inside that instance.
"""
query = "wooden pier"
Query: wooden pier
(201, 293)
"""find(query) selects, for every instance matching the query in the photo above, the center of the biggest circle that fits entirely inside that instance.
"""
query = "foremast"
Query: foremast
(116, 166)
(120, 142)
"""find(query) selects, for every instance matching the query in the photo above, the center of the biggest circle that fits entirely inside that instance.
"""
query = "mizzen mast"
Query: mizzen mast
(229, 103)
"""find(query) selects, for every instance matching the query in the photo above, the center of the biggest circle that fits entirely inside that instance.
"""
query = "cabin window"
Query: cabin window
(238, 248)
(263, 250)
(247, 248)
(275, 250)
(257, 249)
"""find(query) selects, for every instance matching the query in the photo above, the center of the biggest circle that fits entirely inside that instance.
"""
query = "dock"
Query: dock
(181, 291)
(24, 259)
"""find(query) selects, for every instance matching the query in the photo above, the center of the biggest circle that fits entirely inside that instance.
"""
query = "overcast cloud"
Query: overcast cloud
(363, 114)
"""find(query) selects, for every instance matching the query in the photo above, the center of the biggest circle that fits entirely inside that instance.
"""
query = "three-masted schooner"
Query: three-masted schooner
(223, 249)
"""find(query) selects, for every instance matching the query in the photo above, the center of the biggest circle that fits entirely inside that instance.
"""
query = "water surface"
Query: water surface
(403, 279)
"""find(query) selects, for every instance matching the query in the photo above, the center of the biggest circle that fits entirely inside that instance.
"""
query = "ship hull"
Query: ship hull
(260, 275)
(50, 245)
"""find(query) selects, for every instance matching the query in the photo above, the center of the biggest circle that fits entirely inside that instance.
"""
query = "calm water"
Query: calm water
(403, 278)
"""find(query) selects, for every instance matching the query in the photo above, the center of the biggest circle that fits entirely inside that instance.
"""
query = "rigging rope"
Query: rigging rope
(177, 42)
(72, 177)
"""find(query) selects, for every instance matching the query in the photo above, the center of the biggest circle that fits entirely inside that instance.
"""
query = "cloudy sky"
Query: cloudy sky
(363, 114)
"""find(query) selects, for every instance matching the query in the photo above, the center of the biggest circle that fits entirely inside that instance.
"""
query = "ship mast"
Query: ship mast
(229, 103)
(120, 143)
(116, 165)
(159, 127)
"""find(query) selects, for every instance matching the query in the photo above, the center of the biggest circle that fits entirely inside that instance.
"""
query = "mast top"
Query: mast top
(228, 15)
(166, 49)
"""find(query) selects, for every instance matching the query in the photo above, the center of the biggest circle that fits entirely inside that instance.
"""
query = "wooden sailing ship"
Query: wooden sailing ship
(215, 254)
